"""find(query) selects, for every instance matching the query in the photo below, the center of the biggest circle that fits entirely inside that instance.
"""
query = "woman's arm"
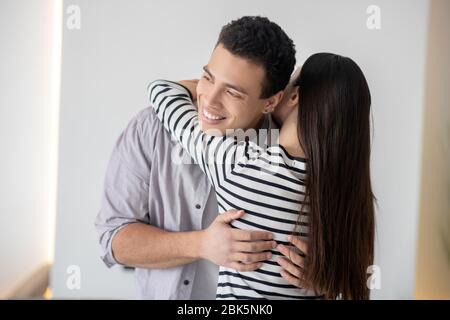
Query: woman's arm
(191, 85)
(174, 107)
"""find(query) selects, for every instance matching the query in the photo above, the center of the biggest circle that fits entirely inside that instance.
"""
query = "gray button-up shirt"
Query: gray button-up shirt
(151, 179)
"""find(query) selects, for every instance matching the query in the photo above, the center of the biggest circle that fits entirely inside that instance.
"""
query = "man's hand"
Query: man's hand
(191, 85)
(292, 262)
(242, 250)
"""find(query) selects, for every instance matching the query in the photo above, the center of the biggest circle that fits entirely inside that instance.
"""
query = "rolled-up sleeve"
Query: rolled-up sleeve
(126, 185)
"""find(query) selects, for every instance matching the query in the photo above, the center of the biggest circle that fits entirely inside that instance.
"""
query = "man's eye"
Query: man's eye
(233, 94)
(207, 78)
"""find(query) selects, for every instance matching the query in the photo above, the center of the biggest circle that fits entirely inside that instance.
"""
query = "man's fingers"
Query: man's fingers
(291, 255)
(246, 235)
(231, 215)
(292, 280)
(301, 245)
(253, 246)
(245, 267)
(290, 267)
(251, 257)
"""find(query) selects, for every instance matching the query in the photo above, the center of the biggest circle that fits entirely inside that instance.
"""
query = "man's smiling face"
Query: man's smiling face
(229, 91)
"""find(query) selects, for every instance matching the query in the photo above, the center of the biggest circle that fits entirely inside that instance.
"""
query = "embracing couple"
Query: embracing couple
(250, 217)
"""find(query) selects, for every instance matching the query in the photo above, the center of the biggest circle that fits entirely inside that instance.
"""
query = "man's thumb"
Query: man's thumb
(231, 215)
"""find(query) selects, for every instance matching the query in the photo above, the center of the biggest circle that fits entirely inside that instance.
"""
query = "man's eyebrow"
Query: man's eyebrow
(229, 85)
(205, 68)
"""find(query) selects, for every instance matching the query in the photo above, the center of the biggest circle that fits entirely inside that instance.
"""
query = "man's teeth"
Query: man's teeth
(211, 116)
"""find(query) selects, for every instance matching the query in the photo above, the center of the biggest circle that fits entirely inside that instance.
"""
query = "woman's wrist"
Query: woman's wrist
(190, 85)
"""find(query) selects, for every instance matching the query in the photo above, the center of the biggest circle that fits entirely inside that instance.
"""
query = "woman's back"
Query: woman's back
(269, 187)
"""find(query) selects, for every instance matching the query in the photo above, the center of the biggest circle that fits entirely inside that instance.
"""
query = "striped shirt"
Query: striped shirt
(266, 182)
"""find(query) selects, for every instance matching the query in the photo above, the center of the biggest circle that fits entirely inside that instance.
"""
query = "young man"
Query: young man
(161, 216)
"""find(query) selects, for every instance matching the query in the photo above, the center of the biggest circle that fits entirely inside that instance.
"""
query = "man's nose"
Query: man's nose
(213, 97)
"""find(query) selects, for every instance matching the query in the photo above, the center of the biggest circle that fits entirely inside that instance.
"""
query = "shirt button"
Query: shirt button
(197, 206)
(186, 282)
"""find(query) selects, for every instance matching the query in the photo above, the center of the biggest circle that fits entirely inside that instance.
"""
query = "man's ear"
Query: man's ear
(273, 101)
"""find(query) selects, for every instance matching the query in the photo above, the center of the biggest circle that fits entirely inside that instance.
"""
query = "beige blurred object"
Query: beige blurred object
(433, 262)
(34, 286)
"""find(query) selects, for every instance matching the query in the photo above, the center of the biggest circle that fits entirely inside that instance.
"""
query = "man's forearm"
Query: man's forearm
(145, 246)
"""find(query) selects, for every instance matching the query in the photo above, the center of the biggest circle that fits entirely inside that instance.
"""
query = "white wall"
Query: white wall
(27, 139)
(433, 263)
(122, 45)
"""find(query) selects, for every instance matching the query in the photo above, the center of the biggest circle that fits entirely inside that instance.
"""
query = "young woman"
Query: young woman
(314, 184)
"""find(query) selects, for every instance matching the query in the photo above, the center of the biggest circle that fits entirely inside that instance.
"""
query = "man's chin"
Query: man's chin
(212, 130)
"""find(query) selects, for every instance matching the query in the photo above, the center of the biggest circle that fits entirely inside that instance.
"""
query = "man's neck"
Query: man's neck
(258, 123)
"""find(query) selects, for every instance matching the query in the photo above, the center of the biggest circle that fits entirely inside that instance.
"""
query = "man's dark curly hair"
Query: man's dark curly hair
(263, 42)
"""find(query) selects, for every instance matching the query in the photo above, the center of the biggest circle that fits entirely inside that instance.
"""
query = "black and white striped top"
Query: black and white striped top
(266, 183)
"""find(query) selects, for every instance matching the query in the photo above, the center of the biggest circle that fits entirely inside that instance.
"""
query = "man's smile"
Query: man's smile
(211, 117)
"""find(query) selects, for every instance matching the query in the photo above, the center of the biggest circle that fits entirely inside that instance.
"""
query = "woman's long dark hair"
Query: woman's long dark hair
(334, 132)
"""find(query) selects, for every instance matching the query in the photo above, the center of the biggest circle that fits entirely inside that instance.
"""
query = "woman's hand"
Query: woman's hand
(191, 85)
(292, 262)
